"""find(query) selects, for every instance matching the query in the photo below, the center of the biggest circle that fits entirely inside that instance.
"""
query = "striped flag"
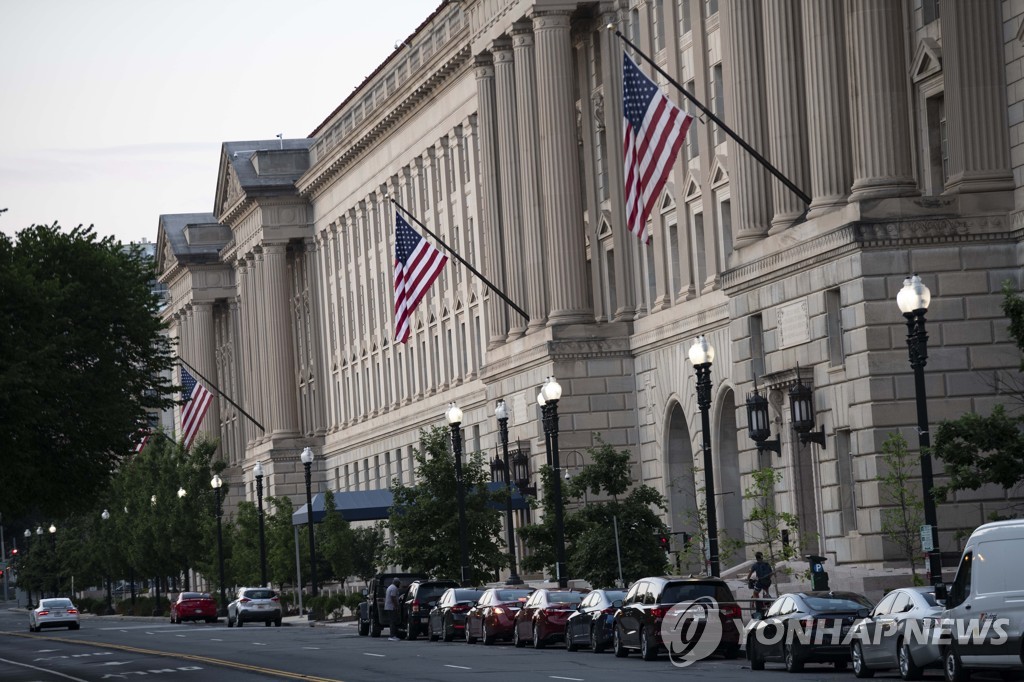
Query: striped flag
(417, 265)
(140, 444)
(196, 402)
(653, 129)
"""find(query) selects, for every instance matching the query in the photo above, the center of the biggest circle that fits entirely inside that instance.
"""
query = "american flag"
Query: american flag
(417, 265)
(652, 132)
(197, 401)
(140, 443)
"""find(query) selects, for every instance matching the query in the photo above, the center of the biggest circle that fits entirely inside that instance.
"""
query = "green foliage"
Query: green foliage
(367, 550)
(335, 542)
(280, 539)
(84, 360)
(766, 523)
(590, 528)
(977, 450)
(901, 522)
(424, 518)
(244, 565)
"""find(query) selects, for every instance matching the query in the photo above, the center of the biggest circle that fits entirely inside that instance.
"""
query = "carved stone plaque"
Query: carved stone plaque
(794, 324)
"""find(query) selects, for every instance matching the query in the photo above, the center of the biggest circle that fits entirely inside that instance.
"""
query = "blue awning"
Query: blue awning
(371, 505)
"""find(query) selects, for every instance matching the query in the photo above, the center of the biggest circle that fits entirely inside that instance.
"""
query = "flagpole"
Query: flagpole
(221, 393)
(440, 241)
(707, 112)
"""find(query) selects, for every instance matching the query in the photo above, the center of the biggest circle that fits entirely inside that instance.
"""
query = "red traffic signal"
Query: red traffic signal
(663, 541)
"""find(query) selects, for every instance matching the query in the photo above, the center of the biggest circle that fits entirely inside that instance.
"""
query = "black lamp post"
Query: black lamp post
(110, 596)
(307, 461)
(28, 536)
(759, 423)
(56, 563)
(501, 412)
(258, 473)
(454, 416)
(216, 484)
(548, 398)
(913, 300)
(801, 413)
(702, 354)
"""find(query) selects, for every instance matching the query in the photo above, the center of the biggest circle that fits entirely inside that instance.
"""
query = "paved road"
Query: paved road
(121, 648)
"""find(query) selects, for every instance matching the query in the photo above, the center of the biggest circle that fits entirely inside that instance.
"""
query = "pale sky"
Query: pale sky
(112, 112)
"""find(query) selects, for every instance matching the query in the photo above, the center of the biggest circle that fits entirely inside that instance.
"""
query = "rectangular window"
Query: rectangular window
(673, 256)
(937, 145)
(652, 285)
(718, 98)
(725, 220)
(712, 7)
(834, 328)
(685, 23)
(658, 24)
(757, 345)
(613, 298)
(930, 10)
(700, 265)
(847, 482)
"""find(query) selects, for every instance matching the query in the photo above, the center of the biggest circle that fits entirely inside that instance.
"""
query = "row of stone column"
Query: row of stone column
(803, 74)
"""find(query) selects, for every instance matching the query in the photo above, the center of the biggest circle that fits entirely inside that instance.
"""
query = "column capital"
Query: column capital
(501, 50)
(522, 34)
(483, 66)
(552, 18)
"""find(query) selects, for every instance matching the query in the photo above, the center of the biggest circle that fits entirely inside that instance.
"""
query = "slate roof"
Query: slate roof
(240, 155)
(172, 227)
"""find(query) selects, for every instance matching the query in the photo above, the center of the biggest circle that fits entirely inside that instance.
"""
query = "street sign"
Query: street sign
(926, 538)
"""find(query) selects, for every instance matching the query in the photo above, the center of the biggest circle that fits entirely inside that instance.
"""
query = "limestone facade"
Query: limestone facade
(498, 125)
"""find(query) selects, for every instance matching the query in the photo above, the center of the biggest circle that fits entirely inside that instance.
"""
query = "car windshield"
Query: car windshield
(55, 604)
(565, 597)
(467, 595)
(850, 602)
(615, 595)
(260, 594)
(513, 595)
(929, 597)
(677, 592)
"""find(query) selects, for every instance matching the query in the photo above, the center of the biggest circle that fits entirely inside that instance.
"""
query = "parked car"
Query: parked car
(254, 605)
(649, 600)
(420, 598)
(58, 612)
(543, 616)
(987, 583)
(448, 617)
(194, 606)
(494, 615)
(805, 627)
(591, 624)
(897, 634)
(372, 618)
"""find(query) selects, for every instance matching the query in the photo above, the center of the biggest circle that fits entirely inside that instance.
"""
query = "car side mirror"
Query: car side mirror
(863, 613)
(757, 615)
(366, 592)
(941, 592)
(617, 604)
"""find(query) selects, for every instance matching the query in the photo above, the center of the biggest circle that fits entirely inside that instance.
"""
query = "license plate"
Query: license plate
(261, 606)
(199, 610)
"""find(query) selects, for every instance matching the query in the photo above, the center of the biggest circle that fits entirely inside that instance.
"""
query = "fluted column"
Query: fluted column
(559, 166)
(278, 328)
(205, 361)
(882, 164)
(244, 276)
(491, 198)
(975, 96)
(529, 175)
(828, 117)
(787, 120)
(261, 353)
(508, 173)
(743, 68)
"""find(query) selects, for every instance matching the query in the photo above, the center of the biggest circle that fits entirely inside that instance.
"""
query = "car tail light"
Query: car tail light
(610, 611)
(43, 613)
(731, 611)
(460, 608)
(497, 610)
(659, 612)
(244, 600)
(415, 605)
(275, 599)
(72, 610)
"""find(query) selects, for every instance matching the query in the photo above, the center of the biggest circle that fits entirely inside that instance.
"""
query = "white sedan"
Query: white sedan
(53, 613)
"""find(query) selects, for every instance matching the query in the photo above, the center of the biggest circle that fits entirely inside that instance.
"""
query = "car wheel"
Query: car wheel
(648, 649)
(857, 656)
(953, 667)
(570, 640)
(731, 651)
(754, 655)
(277, 623)
(517, 641)
(470, 639)
(430, 632)
(447, 631)
(794, 663)
(620, 650)
(411, 632)
(538, 641)
(375, 628)
(238, 620)
(231, 621)
(75, 626)
(595, 641)
(486, 637)
(266, 623)
(908, 669)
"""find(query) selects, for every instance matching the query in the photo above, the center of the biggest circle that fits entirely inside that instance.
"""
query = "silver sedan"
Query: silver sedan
(900, 632)
(53, 613)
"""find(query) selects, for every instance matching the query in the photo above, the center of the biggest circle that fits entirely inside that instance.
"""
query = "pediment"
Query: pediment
(927, 60)
(692, 187)
(229, 187)
(718, 173)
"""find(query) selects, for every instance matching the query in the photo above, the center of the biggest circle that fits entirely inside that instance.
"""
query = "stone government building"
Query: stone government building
(498, 124)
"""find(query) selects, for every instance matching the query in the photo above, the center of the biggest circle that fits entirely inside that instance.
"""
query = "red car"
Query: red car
(494, 616)
(542, 618)
(194, 606)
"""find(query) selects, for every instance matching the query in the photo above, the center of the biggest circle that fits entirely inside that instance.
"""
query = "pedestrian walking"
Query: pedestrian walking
(391, 608)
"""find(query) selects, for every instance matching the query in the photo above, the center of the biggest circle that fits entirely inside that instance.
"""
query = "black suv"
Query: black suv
(421, 597)
(372, 618)
(649, 601)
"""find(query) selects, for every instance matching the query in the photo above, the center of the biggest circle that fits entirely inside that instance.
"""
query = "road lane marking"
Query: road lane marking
(366, 653)
(259, 644)
(460, 667)
(215, 639)
(312, 648)
(43, 670)
(574, 679)
(179, 635)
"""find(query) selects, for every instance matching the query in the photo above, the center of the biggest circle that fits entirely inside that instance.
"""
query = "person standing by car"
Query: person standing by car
(391, 608)
(760, 576)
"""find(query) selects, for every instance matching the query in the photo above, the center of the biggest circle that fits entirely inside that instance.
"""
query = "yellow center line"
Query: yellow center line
(187, 657)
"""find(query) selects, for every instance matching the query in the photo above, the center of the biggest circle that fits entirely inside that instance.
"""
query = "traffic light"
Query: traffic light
(686, 540)
(663, 541)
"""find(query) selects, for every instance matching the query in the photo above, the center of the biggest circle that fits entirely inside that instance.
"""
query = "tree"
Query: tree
(424, 522)
(244, 566)
(901, 522)
(335, 542)
(280, 538)
(977, 450)
(84, 360)
(767, 522)
(367, 550)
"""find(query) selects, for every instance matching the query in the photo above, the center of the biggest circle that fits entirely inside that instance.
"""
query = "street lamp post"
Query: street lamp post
(216, 484)
(550, 393)
(501, 412)
(307, 461)
(28, 536)
(110, 596)
(454, 416)
(702, 354)
(56, 564)
(913, 300)
(258, 472)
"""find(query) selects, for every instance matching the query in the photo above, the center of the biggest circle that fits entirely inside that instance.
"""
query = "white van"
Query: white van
(987, 595)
